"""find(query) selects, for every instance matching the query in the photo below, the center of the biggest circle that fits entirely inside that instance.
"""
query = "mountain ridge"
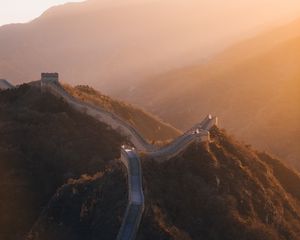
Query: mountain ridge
(255, 93)
(211, 173)
(112, 59)
(151, 127)
(221, 187)
(44, 142)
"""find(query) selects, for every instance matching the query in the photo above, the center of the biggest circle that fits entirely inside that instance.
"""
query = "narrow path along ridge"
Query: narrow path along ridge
(130, 154)
(4, 84)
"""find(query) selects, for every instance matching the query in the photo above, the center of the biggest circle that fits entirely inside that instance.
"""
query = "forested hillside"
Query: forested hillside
(44, 143)
(224, 190)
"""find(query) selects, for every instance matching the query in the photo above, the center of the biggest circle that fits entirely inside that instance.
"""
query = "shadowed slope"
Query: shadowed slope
(224, 190)
(87, 208)
(43, 143)
(4, 84)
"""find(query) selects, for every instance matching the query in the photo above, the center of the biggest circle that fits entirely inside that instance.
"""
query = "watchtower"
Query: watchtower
(50, 77)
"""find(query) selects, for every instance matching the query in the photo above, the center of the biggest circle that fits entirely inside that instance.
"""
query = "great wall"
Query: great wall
(130, 154)
(4, 84)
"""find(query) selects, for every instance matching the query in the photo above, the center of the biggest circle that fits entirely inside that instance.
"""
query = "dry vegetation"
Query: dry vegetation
(43, 143)
(151, 127)
(85, 208)
(221, 190)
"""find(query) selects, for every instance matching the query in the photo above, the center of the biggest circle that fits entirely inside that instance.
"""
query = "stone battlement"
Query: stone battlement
(49, 77)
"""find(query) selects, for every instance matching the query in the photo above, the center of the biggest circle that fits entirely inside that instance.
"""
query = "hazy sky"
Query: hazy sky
(15, 11)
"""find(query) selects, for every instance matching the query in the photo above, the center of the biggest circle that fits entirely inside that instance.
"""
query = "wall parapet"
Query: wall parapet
(4, 84)
(129, 156)
(136, 202)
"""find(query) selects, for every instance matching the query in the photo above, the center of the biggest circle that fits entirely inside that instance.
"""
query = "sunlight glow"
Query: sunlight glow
(20, 11)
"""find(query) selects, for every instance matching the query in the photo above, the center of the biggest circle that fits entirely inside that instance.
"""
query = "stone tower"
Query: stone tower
(50, 77)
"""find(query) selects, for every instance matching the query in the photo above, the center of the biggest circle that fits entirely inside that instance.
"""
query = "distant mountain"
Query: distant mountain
(4, 84)
(152, 128)
(253, 87)
(44, 143)
(113, 44)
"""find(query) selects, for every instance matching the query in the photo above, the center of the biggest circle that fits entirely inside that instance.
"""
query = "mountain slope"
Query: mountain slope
(4, 84)
(253, 87)
(149, 126)
(113, 44)
(224, 190)
(87, 208)
(43, 143)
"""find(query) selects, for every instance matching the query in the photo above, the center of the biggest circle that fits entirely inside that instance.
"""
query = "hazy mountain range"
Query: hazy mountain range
(112, 44)
(254, 87)
(131, 48)
(60, 171)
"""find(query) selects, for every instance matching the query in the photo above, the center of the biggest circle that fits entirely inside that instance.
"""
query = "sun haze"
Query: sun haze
(19, 11)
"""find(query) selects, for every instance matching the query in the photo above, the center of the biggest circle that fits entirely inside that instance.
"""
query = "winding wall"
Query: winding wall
(129, 156)
(4, 84)
(135, 207)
